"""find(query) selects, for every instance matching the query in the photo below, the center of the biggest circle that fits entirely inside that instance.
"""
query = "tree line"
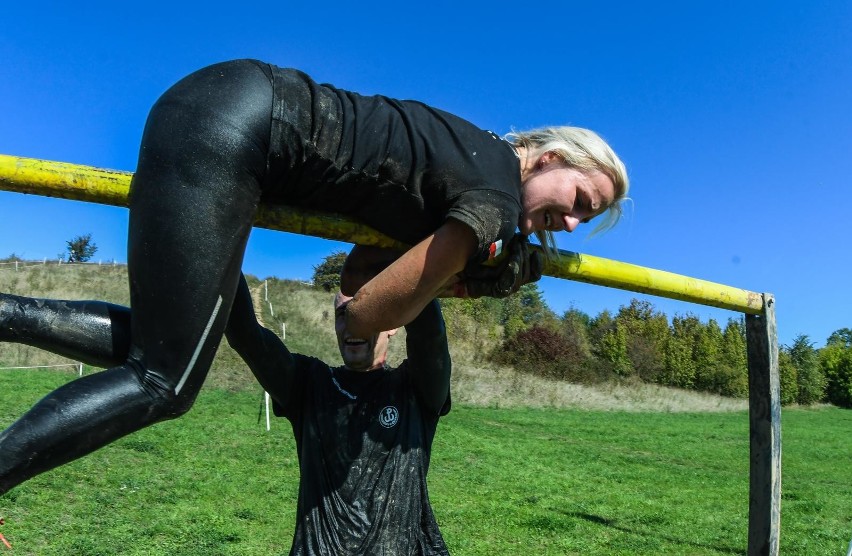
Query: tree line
(638, 342)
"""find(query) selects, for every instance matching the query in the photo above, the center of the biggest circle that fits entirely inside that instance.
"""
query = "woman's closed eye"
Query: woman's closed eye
(580, 204)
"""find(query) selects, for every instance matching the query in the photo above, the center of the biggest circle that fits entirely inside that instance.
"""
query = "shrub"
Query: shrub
(646, 332)
(732, 381)
(327, 273)
(811, 380)
(81, 249)
(473, 325)
(788, 378)
(545, 352)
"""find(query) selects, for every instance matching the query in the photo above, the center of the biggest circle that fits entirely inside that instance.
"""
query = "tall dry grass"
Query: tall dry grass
(496, 386)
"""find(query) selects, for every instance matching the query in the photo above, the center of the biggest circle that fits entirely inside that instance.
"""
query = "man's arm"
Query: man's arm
(262, 350)
(429, 357)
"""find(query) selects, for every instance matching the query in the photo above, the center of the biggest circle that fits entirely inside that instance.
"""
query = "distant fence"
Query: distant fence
(22, 263)
(76, 366)
(83, 183)
(266, 398)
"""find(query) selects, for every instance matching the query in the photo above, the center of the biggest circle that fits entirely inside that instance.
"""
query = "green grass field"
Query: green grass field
(503, 481)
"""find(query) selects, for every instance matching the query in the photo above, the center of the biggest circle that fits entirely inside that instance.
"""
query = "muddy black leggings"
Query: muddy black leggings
(203, 164)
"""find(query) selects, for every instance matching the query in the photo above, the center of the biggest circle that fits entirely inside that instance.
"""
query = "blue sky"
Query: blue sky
(733, 119)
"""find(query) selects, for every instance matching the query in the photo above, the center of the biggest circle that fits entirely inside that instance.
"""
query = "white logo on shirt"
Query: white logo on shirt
(389, 416)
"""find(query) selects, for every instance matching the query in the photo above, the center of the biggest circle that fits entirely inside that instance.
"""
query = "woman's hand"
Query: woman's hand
(520, 266)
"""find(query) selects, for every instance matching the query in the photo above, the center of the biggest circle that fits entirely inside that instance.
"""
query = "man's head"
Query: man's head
(359, 354)
(363, 264)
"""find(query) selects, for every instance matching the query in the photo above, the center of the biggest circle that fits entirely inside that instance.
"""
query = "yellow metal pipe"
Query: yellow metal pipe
(111, 187)
(625, 276)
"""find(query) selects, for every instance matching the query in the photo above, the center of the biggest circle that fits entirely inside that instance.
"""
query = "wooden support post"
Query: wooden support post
(764, 386)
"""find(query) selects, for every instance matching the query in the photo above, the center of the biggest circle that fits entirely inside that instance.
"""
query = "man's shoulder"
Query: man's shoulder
(308, 361)
(310, 371)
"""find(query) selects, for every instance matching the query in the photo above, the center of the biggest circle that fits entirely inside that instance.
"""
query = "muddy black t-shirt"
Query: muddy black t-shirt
(364, 442)
(400, 166)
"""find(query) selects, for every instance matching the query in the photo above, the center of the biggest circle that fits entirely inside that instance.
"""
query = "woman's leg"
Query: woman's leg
(98, 333)
(94, 332)
(202, 162)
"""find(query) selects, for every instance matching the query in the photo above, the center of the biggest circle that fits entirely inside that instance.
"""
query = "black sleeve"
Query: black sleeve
(493, 217)
(429, 358)
(263, 351)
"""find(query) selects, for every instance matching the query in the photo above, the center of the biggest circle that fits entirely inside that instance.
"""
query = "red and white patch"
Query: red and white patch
(495, 249)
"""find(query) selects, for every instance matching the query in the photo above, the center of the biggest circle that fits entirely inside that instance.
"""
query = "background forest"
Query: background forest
(637, 343)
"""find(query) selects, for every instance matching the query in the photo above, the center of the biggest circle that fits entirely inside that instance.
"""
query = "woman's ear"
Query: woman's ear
(546, 159)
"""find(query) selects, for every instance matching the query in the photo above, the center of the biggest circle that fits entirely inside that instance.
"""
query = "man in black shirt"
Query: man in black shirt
(363, 431)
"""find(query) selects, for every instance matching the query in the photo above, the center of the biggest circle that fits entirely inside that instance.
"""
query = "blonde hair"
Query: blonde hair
(584, 150)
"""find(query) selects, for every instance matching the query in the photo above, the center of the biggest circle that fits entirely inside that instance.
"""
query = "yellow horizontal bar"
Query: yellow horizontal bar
(630, 277)
(111, 187)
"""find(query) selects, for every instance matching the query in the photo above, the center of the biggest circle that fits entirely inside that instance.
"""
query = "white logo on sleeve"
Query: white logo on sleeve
(389, 416)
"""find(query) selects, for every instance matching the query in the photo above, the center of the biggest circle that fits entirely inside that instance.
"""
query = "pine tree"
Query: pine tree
(811, 380)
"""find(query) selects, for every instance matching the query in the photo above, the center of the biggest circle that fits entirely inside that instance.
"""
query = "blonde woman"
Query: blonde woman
(235, 134)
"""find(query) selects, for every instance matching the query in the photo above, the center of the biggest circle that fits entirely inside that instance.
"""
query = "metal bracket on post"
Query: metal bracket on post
(764, 387)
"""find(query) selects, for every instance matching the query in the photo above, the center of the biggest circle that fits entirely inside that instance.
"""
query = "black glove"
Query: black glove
(520, 266)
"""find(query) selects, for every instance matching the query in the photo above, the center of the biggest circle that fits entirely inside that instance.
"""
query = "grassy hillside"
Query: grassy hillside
(307, 318)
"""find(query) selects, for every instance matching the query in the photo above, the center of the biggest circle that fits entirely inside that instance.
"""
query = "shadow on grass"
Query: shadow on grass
(611, 523)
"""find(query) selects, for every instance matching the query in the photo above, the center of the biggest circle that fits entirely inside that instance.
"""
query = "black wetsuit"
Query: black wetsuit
(216, 144)
(363, 438)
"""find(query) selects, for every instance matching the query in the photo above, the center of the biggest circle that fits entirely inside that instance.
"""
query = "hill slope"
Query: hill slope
(304, 316)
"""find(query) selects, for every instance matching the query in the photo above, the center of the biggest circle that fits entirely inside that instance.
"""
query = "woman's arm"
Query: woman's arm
(398, 294)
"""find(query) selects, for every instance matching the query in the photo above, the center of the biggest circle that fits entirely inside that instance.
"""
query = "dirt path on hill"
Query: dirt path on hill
(257, 300)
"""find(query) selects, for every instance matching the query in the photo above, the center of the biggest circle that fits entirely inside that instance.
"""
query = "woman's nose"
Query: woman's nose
(570, 223)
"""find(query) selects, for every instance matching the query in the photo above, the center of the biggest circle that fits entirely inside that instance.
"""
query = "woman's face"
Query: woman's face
(556, 197)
